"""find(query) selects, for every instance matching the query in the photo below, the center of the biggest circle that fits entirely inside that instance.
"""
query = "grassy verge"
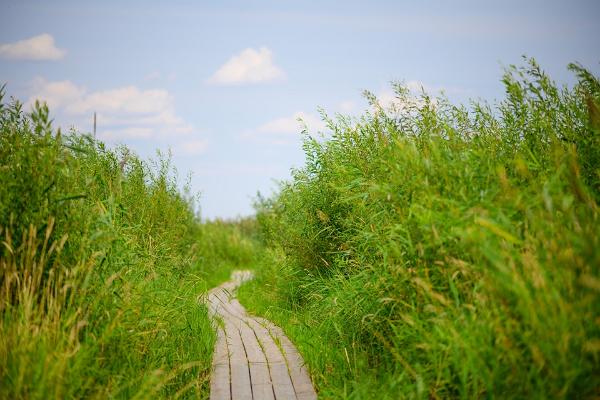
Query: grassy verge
(432, 251)
(101, 262)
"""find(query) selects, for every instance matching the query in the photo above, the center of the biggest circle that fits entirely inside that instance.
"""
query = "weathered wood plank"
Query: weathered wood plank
(262, 387)
(220, 388)
(240, 371)
(240, 381)
(221, 354)
(270, 348)
(298, 373)
(253, 358)
(234, 343)
(282, 383)
(254, 351)
(308, 395)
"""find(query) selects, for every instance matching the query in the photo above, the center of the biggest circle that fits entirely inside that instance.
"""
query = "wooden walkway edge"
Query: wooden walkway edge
(253, 359)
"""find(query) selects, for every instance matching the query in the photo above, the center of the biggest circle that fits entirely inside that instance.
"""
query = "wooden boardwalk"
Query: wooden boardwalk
(253, 359)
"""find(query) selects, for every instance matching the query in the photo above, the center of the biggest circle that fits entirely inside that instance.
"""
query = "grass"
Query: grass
(429, 250)
(425, 250)
(102, 260)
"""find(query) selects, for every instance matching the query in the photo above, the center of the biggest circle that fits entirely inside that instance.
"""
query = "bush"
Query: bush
(98, 267)
(430, 250)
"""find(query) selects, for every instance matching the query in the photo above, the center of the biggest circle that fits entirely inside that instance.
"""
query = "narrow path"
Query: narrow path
(253, 358)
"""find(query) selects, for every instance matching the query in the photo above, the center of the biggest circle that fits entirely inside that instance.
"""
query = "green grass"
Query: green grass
(439, 251)
(102, 260)
(426, 250)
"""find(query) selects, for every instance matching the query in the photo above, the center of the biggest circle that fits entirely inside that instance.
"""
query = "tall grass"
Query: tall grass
(101, 262)
(428, 250)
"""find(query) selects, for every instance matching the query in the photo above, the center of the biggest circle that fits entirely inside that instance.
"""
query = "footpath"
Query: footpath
(253, 359)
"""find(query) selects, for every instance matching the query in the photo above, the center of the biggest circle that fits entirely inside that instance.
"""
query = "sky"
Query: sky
(221, 84)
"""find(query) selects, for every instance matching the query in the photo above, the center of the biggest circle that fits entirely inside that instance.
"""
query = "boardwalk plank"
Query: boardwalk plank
(298, 373)
(282, 384)
(240, 381)
(262, 388)
(269, 346)
(240, 372)
(221, 354)
(254, 351)
(219, 383)
(253, 358)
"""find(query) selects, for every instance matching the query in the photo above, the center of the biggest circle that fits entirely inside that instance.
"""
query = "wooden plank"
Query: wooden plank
(220, 388)
(262, 388)
(220, 381)
(309, 395)
(234, 343)
(253, 358)
(240, 381)
(227, 309)
(282, 384)
(236, 308)
(298, 373)
(263, 392)
(260, 378)
(259, 374)
(254, 351)
(238, 363)
(269, 347)
(221, 354)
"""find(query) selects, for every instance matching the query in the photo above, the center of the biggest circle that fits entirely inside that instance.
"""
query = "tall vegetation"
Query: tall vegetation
(428, 250)
(101, 262)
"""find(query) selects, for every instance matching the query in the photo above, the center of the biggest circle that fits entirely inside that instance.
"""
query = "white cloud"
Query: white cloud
(347, 106)
(292, 124)
(131, 132)
(122, 113)
(125, 100)
(56, 94)
(157, 75)
(285, 130)
(152, 76)
(193, 147)
(250, 66)
(37, 48)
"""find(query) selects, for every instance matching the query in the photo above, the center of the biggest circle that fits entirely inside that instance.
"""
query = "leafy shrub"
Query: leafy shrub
(98, 262)
(430, 250)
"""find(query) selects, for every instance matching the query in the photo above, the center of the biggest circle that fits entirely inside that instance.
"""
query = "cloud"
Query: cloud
(250, 66)
(130, 132)
(193, 147)
(152, 76)
(127, 100)
(125, 113)
(347, 106)
(37, 48)
(56, 94)
(285, 130)
(157, 75)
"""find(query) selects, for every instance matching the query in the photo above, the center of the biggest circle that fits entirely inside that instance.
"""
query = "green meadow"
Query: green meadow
(426, 250)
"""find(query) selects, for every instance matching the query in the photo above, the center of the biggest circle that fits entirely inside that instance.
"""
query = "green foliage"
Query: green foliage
(433, 251)
(101, 264)
(225, 246)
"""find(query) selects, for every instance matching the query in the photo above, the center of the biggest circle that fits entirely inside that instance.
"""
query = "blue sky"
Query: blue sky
(221, 83)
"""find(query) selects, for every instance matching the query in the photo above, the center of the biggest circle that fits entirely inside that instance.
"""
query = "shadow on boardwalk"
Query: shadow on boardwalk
(253, 359)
